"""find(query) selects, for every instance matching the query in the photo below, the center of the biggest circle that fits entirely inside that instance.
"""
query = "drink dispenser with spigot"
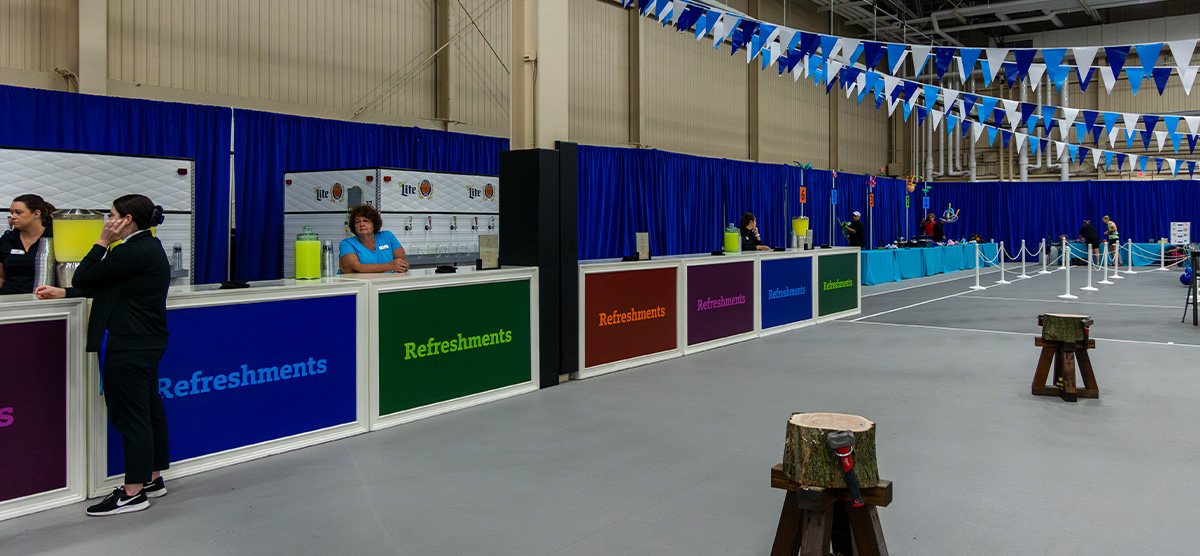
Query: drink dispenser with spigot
(308, 255)
(733, 240)
(75, 231)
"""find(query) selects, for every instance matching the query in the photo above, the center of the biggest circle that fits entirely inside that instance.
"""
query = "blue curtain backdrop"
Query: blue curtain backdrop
(685, 201)
(39, 119)
(267, 145)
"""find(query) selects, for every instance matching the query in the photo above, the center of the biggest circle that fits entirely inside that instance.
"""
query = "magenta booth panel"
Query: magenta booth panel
(720, 301)
(33, 408)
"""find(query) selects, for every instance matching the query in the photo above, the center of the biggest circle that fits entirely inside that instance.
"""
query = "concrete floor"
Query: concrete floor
(674, 458)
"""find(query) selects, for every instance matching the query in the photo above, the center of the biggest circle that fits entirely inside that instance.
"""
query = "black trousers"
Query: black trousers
(136, 410)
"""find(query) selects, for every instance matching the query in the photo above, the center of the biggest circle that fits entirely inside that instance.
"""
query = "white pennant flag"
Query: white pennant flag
(805, 63)
(1182, 51)
(785, 35)
(668, 9)
(995, 59)
(920, 54)
(1084, 56)
(862, 81)
(1064, 127)
(1020, 139)
(962, 110)
(719, 34)
(916, 95)
(1060, 148)
(890, 83)
(848, 47)
(773, 52)
(1107, 75)
(1130, 120)
(1188, 76)
(1010, 106)
(977, 129)
(1133, 158)
(1193, 123)
(892, 106)
(1112, 136)
(937, 118)
(850, 89)
(1162, 139)
(1036, 71)
(798, 71)
(837, 47)
(1096, 154)
(832, 69)
(1174, 166)
(1014, 120)
(1069, 114)
(961, 69)
(948, 96)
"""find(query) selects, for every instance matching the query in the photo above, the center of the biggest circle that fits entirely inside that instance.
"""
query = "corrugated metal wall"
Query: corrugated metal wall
(794, 115)
(39, 35)
(862, 135)
(599, 82)
(479, 76)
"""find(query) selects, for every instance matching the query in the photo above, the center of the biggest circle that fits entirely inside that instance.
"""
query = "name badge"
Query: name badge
(382, 247)
(17, 252)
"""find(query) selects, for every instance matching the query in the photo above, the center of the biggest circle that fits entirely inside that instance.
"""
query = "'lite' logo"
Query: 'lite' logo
(322, 193)
(473, 192)
(6, 416)
(406, 190)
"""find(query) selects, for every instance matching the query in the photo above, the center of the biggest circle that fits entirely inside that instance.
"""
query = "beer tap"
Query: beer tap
(453, 223)
(408, 227)
(428, 223)
(492, 223)
(475, 226)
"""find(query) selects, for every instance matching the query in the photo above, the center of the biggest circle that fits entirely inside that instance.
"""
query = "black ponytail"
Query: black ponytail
(145, 213)
(35, 203)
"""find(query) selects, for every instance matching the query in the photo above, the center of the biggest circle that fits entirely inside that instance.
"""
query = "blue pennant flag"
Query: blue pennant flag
(950, 121)
(1192, 143)
(1110, 120)
(1191, 167)
(1083, 154)
(1026, 111)
(1146, 135)
(1150, 121)
(1059, 77)
(1034, 142)
(894, 52)
(1158, 162)
(921, 113)
(1096, 136)
(873, 52)
(1011, 74)
(1074, 149)
(627, 3)
(688, 18)
(1120, 159)
(1089, 116)
(969, 101)
(1148, 55)
(879, 100)
(743, 33)
(862, 94)
(1044, 144)
(987, 72)
(1160, 78)
(710, 20)
(998, 116)
(1172, 123)
(943, 55)
(1085, 80)
(827, 44)
(931, 95)
(895, 92)
(1024, 60)
(1108, 156)
(808, 43)
(830, 78)
(965, 127)
(873, 79)
(1006, 135)
(1116, 57)
(907, 109)
(1053, 57)
(1136, 75)
(969, 55)
(853, 58)
(1142, 163)
(910, 87)
(1034, 120)
(986, 105)
(849, 76)
(756, 42)
(1081, 130)
(1048, 117)
(644, 6)
(992, 135)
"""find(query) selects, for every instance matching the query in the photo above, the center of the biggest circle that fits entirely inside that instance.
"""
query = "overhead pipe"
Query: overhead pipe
(1050, 98)
(956, 141)
(971, 156)
(1023, 159)
(1066, 166)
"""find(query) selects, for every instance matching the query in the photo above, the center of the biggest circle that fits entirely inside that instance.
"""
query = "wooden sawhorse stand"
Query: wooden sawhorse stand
(813, 518)
(1063, 356)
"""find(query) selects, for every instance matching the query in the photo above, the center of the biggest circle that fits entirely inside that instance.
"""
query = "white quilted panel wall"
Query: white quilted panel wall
(417, 191)
(328, 190)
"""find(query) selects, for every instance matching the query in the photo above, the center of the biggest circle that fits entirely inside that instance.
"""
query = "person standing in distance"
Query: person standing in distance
(128, 327)
(856, 231)
(1114, 240)
(29, 216)
(1091, 240)
(748, 227)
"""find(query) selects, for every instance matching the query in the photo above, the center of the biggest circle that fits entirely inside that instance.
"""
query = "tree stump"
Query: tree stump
(808, 459)
(1064, 328)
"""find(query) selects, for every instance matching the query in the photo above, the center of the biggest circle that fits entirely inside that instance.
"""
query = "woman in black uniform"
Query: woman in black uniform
(748, 227)
(128, 327)
(29, 216)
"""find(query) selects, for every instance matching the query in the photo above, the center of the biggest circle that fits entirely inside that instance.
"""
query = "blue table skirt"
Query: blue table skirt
(893, 265)
(1144, 254)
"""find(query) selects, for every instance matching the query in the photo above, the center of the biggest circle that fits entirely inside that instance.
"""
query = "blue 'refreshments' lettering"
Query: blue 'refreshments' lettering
(200, 383)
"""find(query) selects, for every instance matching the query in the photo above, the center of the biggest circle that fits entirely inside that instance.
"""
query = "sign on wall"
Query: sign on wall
(440, 344)
(720, 301)
(242, 374)
(33, 408)
(837, 283)
(786, 291)
(421, 191)
(1181, 233)
(629, 314)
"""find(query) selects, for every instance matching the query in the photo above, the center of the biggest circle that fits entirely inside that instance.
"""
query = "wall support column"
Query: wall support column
(540, 73)
(93, 47)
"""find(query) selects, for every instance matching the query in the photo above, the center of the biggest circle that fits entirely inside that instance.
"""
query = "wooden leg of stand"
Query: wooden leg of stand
(1090, 388)
(868, 533)
(787, 536)
(1068, 373)
(816, 528)
(1043, 370)
(842, 540)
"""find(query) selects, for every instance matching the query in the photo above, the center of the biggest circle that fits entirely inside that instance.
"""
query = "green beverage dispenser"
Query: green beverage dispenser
(733, 240)
(308, 255)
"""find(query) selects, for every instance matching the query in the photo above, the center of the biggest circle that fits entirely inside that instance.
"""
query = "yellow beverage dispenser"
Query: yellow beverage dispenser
(308, 255)
(733, 240)
(75, 231)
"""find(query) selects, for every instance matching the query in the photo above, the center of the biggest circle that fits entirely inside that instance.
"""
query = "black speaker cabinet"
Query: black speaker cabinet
(538, 215)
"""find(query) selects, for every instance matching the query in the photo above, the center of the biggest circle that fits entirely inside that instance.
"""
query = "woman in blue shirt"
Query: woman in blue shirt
(370, 250)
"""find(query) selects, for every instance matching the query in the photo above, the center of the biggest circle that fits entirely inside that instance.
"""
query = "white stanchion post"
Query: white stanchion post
(977, 287)
(1064, 256)
(1162, 256)
(1000, 255)
(1131, 270)
(1116, 266)
(1068, 294)
(1044, 255)
(1104, 268)
(1090, 287)
(1023, 254)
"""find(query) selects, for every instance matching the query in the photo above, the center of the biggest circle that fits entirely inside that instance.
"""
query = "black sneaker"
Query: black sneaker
(119, 503)
(155, 488)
